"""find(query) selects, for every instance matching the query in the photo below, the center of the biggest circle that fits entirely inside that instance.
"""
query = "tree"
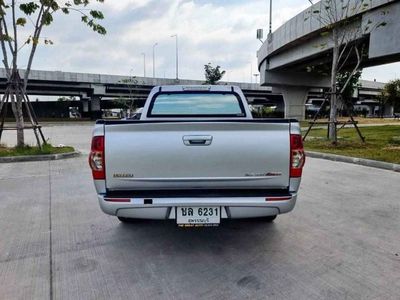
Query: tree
(341, 25)
(391, 94)
(352, 85)
(213, 75)
(128, 104)
(21, 25)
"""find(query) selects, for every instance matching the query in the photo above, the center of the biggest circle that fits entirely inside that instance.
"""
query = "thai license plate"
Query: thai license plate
(198, 216)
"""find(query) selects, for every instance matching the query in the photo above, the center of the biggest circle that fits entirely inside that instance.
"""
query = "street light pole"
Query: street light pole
(154, 60)
(270, 16)
(144, 64)
(177, 55)
(251, 72)
(256, 76)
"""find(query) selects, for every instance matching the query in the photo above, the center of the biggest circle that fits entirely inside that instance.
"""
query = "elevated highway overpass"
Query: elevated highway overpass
(298, 55)
(92, 88)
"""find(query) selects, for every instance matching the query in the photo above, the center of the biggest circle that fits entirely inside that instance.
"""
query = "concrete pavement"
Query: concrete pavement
(355, 160)
(340, 242)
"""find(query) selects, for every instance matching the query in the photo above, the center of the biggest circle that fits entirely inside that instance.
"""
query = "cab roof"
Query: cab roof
(196, 88)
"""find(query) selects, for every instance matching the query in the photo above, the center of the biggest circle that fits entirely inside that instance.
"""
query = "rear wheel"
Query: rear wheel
(270, 219)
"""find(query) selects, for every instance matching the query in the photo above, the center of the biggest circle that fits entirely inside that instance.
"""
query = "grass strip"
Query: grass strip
(382, 143)
(33, 150)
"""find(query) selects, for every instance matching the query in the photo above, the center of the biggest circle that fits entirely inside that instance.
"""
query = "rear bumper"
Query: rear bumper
(164, 208)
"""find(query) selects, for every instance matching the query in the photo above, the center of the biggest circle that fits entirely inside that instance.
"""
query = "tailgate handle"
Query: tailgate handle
(197, 140)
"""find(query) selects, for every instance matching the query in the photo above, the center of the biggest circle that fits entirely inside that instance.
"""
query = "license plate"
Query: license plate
(198, 216)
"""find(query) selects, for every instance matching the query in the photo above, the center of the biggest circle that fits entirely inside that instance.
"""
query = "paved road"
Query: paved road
(76, 134)
(342, 240)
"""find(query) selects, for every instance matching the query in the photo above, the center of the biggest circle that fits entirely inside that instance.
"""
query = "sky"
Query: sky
(220, 32)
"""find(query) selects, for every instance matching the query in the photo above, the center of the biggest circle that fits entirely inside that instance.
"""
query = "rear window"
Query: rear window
(191, 104)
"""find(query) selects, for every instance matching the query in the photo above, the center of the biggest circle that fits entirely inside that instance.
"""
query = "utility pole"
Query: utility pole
(144, 64)
(154, 60)
(177, 55)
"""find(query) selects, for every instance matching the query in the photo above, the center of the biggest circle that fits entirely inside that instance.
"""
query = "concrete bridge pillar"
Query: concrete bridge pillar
(95, 108)
(388, 110)
(295, 98)
(85, 108)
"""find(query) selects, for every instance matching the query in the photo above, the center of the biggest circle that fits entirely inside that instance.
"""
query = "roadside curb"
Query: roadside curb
(26, 158)
(355, 160)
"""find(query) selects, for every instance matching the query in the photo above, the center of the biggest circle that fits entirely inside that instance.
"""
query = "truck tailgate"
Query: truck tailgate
(197, 155)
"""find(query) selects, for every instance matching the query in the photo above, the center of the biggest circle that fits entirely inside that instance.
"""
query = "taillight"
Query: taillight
(297, 155)
(96, 158)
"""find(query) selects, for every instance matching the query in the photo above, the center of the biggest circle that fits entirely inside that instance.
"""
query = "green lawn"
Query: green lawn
(29, 150)
(382, 143)
(360, 120)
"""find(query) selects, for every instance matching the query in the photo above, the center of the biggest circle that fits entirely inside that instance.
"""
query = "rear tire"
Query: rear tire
(270, 219)
(125, 220)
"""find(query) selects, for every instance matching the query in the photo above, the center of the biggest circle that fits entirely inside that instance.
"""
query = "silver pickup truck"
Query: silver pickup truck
(196, 156)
